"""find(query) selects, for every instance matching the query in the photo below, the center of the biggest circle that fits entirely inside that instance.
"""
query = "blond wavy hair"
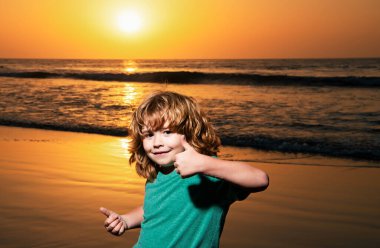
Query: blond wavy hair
(182, 114)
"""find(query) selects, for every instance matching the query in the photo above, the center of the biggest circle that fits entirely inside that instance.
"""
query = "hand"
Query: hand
(188, 162)
(114, 223)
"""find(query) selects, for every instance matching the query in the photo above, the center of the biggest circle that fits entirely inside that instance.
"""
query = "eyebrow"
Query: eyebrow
(144, 130)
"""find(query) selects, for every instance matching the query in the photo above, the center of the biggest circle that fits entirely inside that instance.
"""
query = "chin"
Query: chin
(161, 162)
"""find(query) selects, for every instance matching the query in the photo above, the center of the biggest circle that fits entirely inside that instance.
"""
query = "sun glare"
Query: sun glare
(129, 22)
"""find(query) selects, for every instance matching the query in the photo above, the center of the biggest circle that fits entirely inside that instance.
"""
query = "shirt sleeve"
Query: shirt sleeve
(228, 191)
(236, 193)
(231, 192)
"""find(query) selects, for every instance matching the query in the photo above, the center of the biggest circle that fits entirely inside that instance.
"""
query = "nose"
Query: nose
(157, 140)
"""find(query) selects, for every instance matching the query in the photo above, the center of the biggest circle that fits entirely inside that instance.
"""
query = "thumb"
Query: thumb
(184, 143)
(105, 211)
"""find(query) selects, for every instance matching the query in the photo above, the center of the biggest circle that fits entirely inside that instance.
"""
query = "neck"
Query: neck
(166, 168)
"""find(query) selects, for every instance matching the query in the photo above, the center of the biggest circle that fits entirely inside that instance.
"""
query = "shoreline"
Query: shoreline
(123, 133)
(54, 182)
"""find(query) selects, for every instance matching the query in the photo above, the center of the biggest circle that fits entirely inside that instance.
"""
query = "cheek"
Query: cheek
(145, 145)
(175, 142)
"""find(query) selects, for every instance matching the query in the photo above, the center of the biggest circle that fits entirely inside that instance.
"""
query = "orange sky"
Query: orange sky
(190, 29)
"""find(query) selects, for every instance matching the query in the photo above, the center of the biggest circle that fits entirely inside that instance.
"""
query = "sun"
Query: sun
(129, 21)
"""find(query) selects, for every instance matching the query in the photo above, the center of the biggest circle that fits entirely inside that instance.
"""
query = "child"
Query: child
(188, 190)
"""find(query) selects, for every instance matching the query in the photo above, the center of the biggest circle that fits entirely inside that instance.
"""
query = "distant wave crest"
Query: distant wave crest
(300, 145)
(82, 128)
(183, 77)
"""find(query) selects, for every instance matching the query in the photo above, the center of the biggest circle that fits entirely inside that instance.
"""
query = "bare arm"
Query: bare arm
(117, 224)
(238, 173)
(241, 174)
(134, 217)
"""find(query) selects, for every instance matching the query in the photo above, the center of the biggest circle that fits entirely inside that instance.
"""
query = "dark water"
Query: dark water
(336, 72)
(329, 107)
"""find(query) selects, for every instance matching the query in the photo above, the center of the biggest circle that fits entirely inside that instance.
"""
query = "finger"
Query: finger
(105, 211)
(108, 221)
(184, 143)
(114, 223)
(111, 226)
(122, 230)
(111, 219)
(117, 228)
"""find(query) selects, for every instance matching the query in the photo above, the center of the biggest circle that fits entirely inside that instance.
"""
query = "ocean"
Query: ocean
(315, 106)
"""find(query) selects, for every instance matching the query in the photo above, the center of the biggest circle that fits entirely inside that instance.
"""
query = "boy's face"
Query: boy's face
(162, 145)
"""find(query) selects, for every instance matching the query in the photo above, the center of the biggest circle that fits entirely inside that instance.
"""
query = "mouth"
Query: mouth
(160, 152)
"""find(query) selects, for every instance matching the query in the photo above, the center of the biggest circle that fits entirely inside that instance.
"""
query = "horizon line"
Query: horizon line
(269, 58)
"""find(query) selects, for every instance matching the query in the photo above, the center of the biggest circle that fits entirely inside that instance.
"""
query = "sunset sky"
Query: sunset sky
(163, 29)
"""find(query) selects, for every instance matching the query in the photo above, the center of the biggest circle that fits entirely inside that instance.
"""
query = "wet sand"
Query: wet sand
(53, 183)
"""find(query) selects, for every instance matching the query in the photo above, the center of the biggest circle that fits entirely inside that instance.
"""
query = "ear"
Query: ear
(184, 143)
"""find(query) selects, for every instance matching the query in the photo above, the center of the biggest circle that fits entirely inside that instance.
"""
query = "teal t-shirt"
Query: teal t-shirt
(185, 212)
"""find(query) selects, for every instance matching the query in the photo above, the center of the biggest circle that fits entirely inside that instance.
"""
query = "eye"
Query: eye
(147, 135)
(167, 132)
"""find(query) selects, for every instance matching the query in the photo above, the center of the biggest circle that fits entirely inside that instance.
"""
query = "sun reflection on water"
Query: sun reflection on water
(130, 69)
(124, 144)
(129, 66)
(130, 94)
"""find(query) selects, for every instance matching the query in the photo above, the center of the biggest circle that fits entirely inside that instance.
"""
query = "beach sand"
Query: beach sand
(53, 183)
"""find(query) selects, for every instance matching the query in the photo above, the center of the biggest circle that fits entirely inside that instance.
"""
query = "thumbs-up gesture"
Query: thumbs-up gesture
(188, 162)
(114, 223)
